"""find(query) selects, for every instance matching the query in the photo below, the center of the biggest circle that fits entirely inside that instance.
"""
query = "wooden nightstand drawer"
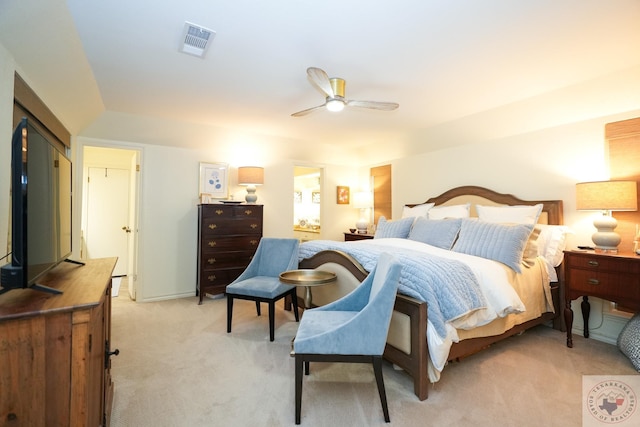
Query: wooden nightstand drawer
(615, 286)
(604, 264)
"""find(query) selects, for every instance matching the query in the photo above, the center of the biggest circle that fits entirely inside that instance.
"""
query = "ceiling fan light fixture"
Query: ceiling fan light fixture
(335, 105)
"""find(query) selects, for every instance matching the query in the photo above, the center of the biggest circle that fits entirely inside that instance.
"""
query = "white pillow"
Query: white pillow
(510, 214)
(417, 211)
(453, 211)
(552, 242)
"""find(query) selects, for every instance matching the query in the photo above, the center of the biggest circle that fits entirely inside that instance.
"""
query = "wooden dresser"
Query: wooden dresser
(55, 367)
(228, 236)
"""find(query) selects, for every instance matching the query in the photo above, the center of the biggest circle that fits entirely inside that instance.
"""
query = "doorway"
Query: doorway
(109, 211)
(307, 203)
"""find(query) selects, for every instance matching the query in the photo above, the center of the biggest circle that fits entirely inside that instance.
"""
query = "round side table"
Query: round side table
(307, 278)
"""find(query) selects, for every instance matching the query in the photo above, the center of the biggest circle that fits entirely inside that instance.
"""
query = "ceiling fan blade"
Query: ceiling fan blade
(320, 79)
(307, 111)
(387, 106)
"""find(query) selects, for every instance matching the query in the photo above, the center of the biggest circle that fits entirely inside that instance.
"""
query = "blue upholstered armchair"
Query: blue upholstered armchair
(351, 329)
(260, 281)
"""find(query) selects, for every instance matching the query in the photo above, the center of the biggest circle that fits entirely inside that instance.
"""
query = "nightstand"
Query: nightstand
(612, 277)
(349, 237)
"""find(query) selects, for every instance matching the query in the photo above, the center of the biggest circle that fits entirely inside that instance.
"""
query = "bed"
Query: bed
(412, 344)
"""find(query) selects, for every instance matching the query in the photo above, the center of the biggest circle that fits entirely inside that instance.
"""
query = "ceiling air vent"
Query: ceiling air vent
(196, 39)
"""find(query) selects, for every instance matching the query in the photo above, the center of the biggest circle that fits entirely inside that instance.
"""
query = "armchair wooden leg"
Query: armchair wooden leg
(272, 320)
(258, 308)
(294, 302)
(229, 312)
(298, 387)
(377, 369)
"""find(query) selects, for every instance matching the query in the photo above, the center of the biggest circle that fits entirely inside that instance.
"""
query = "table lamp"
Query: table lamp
(363, 200)
(250, 176)
(606, 196)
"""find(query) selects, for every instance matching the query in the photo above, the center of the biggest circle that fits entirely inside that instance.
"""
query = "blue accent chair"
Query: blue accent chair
(260, 281)
(352, 329)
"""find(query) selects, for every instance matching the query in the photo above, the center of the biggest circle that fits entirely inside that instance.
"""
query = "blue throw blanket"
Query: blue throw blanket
(449, 287)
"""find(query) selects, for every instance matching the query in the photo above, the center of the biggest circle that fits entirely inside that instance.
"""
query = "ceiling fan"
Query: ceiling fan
(335, 100)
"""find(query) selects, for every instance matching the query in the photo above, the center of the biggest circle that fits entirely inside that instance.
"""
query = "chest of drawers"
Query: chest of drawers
(228, 236)
(612, 277)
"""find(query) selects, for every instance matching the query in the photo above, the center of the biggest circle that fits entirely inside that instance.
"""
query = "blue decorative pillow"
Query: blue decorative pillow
(629, 340)
(500, 242)
(436, 232)
(399, 228)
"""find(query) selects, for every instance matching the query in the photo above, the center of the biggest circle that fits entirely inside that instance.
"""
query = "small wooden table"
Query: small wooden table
(307, 278)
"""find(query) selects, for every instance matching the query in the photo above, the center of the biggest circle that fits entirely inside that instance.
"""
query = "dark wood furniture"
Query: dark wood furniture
(55, 350)
(612, 277)
(416, 361)
(228, 236)
(349, 237)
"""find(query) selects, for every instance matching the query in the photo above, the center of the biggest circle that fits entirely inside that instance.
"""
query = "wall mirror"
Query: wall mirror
(307, 202)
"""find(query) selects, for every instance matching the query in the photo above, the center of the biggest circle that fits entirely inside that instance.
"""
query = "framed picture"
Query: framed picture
(342, 195)
(205, 198)
(297, 196)
(214, 180)
(315, 197)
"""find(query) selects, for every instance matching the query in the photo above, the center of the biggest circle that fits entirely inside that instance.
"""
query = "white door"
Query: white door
(108, 228)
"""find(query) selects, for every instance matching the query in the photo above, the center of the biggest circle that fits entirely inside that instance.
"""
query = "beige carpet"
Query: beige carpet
(178, 367)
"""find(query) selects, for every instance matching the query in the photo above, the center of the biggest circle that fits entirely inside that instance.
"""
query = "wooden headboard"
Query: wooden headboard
(551, 209)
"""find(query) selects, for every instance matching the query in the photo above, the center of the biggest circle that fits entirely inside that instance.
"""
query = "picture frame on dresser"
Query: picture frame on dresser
(214, 180)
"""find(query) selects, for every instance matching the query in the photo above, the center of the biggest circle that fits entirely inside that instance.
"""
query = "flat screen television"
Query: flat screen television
(40, 208)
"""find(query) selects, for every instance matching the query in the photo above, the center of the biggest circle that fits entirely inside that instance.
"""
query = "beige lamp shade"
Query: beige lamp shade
(363, 200)
(251, 176)
(607, 196)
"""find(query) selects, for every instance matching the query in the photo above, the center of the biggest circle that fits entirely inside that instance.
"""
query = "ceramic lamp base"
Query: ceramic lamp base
(605, 239)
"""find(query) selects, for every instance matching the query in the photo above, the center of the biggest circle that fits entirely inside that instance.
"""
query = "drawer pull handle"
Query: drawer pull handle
(593, 263)
(219, 211)
(211, 260)
(254, 226)
(212, 277)
(254, 242)
(593, 281)
(213, 226)
(213, 243)
(248, 212)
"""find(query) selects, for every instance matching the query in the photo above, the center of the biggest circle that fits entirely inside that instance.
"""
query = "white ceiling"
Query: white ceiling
(441, 60)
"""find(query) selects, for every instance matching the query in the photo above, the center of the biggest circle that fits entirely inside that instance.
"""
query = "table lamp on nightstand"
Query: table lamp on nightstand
(606, 196)
(363, 200)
